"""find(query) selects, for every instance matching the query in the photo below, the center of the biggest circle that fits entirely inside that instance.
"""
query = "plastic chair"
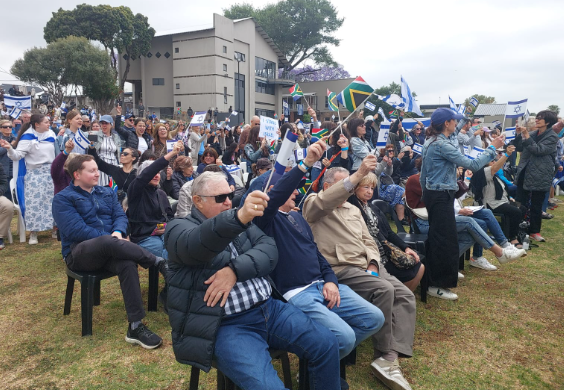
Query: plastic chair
(21, 222)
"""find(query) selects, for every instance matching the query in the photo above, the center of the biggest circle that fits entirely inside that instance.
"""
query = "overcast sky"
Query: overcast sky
(509, 49)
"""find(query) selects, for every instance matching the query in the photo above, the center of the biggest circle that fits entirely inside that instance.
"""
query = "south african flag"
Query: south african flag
(355, 94)
(305, 188)
(296, 92)
(332, 101)
(317, 134)
(112, 184)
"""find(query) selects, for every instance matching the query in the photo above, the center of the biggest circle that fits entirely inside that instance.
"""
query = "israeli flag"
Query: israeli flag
(408, 99)
(495, 123)
(233, 113)
(382, 115)
(15, 112)
(452, 105)
(474, 102)
(285, 104)
(383, 135)
(417, 148)
(369, 106)
(475, 152)
(509, 134)
(393, 100)
(300, 154)
(20, 102)
(408, 123)
(516, 109)
(462, 109)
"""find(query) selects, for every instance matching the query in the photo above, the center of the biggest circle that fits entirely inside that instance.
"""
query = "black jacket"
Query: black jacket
(197, 248)
(537, 160)
(146, 202)
(130, 137)
(4, 185)
(178, 180)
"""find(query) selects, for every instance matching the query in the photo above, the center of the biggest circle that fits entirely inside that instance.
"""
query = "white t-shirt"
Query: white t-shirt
(142, 145)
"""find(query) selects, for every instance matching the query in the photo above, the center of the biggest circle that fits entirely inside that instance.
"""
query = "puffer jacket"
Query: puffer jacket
(82, 215)
(130, 137)
(537, 160)
(197, 248)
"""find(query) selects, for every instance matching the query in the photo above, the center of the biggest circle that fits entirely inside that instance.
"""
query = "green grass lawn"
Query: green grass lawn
(505, 331)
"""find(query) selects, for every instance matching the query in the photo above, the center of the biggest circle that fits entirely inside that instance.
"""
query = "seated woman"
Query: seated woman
(182, 173)
(408, 273)
(258, 169)
(390, 190)
(148, 207)
(491, 191)
(231, 153)
(122, 176)
(210, 156)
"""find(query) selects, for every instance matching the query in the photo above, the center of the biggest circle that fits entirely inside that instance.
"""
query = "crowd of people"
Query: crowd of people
(248, 268)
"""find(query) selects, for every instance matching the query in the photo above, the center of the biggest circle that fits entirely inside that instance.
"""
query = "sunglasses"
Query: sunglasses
(6, 127)
(220, 198)
(125, 154)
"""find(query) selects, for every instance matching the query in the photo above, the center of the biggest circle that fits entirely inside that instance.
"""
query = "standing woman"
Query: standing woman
(138, 138)
(536, 167)
(36, 146)
(438, 181)
(198, 137)
(255, 149)
(109, 146)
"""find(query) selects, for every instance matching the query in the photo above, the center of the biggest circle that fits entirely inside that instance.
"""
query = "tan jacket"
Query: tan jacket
(340, 232)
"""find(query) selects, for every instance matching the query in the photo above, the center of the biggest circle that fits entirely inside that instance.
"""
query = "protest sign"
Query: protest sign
(268, 127)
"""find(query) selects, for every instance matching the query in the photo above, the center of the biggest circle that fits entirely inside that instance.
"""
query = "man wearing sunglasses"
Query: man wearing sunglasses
(219, 299)
(129, 122)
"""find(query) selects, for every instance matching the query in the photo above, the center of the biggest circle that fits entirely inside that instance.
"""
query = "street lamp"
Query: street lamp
(239, 57)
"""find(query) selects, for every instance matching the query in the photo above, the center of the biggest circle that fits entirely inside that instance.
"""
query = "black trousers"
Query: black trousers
(442, 242)
(535, 210)
(120, 257)
(515, 215)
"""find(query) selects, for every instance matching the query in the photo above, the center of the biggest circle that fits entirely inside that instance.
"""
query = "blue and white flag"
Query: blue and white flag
(417, 148)
(516, 109)
(509, 134)
(382, 115)
(495, 123)
(15, 112)
(233, 113)
(475, 152)
(20, 102)
(369, 106)
(393, 100)
(300, 109)
(283, 159)
(462, 109)
(452, 105)
(300, 154)
(408, 99)
(284, 104)
(474, 102)
(408, 123)
(198, 118)
(383, 135)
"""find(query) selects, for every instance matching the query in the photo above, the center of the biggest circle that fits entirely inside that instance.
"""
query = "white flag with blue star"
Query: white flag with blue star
(19, 102)
(408, 99)
(516, 109)
(369, 106)
(393, 100)
(452, 105)
(474, 102)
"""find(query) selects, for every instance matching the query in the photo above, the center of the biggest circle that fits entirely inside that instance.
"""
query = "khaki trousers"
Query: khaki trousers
(6, 214)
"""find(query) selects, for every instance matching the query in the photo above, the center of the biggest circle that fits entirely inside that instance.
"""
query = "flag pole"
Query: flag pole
(351, 114)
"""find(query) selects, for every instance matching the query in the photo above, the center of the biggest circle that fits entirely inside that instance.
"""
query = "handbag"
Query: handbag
(398, 257)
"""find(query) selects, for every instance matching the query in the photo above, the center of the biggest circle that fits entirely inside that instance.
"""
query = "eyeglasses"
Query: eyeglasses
(6, 127)
(220, 198)
(361, 125)
(417, 128)
(125, 154)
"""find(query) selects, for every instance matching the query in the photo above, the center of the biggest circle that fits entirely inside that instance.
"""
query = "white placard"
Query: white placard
(268, 127)
(198, 118)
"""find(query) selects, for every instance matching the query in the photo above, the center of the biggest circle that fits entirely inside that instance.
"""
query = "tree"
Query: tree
(309, 73)
(65, 65)
(301, 29)
(482, 99)
(116, 28)
(385, 90)
(554, 108)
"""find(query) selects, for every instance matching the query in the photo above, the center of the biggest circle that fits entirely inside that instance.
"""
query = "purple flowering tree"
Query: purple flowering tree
(310, 73)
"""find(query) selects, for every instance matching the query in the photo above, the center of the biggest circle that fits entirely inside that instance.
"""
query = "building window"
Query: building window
(240, 94)
(158, 81)
(225, 67)
(178, 104)
(263, 87)
(268, 113)
(224, 95)
(177, 85)
(265, 68)
(225, 49)
(176, 50)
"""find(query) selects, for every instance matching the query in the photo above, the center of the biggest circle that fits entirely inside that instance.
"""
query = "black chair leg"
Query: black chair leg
(153, 288)
(97, 293)
(68, 295)
(220, 381)
(424, 286)
(303, 375)
(461, 263)
(286, 370)
(87, 304)
(194, 378)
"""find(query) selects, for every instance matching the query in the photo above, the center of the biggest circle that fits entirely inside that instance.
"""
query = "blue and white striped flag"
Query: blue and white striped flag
(382, 115)
(285, 156)
(383, 135)
(417, 148)
(408, 99)
(516, 109)
(20, 102)
(462, 109)
(509, 134)
(474, 102)
(15, 112)
(284, 104)
(475, 152)
(369, 106)
(452, 105)
(393, 100)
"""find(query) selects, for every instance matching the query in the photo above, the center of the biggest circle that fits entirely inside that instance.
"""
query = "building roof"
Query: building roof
(490, 109)
(183, 30)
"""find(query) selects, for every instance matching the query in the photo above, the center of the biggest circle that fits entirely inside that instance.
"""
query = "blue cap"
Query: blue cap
(441, 115)
(130, 115)
(107, 118)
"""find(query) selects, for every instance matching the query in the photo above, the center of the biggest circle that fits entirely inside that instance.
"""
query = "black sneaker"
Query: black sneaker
(143, 336)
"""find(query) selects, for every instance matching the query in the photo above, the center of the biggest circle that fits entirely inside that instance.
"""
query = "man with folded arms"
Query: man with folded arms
(343, 239)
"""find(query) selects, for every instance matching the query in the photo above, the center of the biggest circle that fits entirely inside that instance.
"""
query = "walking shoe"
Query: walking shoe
(2, 246)
(547, 215)
(537, 237)
(555, 200)
(483, 263)
(460, 276)
(443, 293)
(390, 374)
(510, 254)
(33, 238)
(54, 233)
(143, 336)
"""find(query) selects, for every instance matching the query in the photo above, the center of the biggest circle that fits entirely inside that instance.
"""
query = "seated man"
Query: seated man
(343, 239)
(92, 225)
(303, 275)
(219, 300)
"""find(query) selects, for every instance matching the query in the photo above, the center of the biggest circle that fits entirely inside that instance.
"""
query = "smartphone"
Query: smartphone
(93, 137)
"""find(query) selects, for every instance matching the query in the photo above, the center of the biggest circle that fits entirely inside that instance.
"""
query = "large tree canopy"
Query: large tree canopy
(67, 64)
(302, 29)
(116, 28)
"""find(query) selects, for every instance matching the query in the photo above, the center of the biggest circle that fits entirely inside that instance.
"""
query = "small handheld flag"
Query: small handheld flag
(516, 109)
(296, 92)
(474, 102)
(410, 104)
(369, 106)
(317, 134)
(112, 184)
(332, 101)
(355, 94)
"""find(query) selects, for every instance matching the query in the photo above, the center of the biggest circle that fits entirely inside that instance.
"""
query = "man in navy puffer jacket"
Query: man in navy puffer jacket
(92, 226)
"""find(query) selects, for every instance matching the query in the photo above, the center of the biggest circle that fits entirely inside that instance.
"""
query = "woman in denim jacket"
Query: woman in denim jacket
(441, 157)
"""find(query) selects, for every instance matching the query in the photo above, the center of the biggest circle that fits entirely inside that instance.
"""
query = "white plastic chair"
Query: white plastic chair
(21, 222)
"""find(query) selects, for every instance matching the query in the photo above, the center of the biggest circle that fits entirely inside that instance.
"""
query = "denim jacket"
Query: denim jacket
(441, 157)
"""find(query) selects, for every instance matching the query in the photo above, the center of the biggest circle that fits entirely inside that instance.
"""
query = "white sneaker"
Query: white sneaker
(443, 293)
(390, 374)
(483, 263)
(510, 254)
(506, 245)
(54, 233)
(460, 276)
(33, 238)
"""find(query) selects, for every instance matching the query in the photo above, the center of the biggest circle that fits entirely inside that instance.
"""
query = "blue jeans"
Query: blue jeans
(475, 228)
(487, 216)
(243, 339)
(353, 321)
(155, 245)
